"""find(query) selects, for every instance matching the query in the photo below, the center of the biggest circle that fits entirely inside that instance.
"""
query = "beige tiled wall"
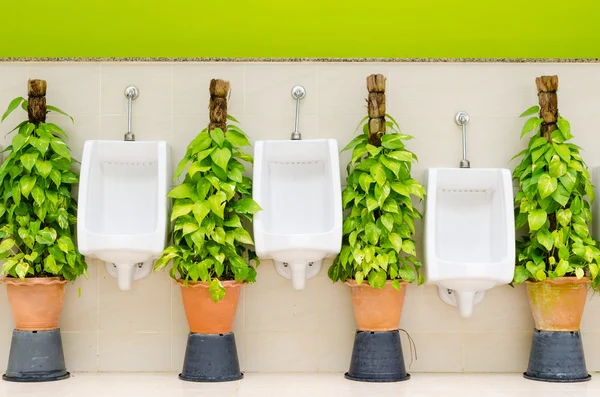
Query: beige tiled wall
(279, 329)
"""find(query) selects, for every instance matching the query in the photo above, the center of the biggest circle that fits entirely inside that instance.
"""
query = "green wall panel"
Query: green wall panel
(303, 28)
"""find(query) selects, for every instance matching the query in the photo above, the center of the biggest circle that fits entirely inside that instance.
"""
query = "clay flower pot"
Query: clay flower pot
(206, 316)
(557, 305)
(36, 302)
(377, 309)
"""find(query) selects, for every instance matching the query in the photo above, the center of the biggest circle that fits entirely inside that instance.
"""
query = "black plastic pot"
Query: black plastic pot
(36, 356)
(557, 356)
(211, 358)
(377, 357)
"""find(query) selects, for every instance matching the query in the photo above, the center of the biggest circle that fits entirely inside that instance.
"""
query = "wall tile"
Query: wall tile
(135, 352)
(269, 88)
(424, 311)
(281, 352)
(146, 308)
(503, 309)
(80, 311)
(334, 351)
(81, 351)
(154, 82)
(279, 126)
(436, 351)
(6, 318)
(497, 351)
(73, 88)
(192, 80)
(5, 338)
(590, 347)
(334, 304)
(289, 310)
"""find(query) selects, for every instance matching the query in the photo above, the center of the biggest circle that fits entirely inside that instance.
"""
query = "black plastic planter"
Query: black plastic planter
(36, 356)
(557, 356)
(211, 358)
(377, 357)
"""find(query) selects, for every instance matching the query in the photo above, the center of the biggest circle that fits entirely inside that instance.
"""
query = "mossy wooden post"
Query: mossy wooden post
(376, 108)
(547, 87)
(36, 101)
(219, 91)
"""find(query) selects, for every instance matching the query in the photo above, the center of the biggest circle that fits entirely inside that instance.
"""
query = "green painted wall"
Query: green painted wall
(301, 28)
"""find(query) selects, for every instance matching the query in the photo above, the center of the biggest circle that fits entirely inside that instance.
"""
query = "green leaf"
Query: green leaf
(392, 141)
(408, 246)
(43, 167)
(22, 269)
(56, 176)
(581, 229)
(565, 128)
(365, 181)
(221, 157)
(217, 136)
(26, 184)
(540, 275)
(348, 195)
(400, 188)
(401, 155)
(378, 173)
(241, 235)
(387, 220)
(545, 238)
(12, 106)
(200, 210)
(41, 144)
(236, 138)
(217, 292)
(18, 142)
(181, 166)
(546, 185)
(396, 241)
(28, 160)
(246, 206)
(66, 244)
(372, 233)
(38, 195)
(562, 268)
(569, 179)
(391, 165)
(521, 275)
(579, 273)
(557, 167)
(377, 279)
(46, 236)
(563, 217)
(6, 245)
(60, 148)
(359, 139)
(217, 203)
(576, 205)
(536, 219)
(530, 125)
(231, 118)
(57, 110)
(532, 110)
(185, 190)
(233, 221)
(563, 151)
(372, 203)
(181, 210)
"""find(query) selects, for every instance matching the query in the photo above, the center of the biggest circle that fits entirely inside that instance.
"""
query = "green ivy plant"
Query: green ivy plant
(210, 243)
(378, 231)
(553, 184)
(37, 212)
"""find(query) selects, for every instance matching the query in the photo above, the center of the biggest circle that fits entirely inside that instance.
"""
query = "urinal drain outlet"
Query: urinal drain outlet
(465, 190)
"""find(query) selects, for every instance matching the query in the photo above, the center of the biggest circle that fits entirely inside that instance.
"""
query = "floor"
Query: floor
(296, 385)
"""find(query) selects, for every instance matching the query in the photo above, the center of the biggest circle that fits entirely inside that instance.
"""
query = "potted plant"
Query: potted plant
(557, 258)
(378, 256)
(211, 248)
(37, 218)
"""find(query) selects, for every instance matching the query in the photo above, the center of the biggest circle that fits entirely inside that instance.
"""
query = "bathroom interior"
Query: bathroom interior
(466, 325)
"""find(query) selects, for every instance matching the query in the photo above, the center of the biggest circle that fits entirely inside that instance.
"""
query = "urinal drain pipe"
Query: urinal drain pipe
(298, 92)
(462, 119)
(131, 93)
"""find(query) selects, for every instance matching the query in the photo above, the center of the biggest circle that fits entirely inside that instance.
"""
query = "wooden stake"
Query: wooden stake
(376, 108)
(548, 100)
(217, 106)
(36, 101)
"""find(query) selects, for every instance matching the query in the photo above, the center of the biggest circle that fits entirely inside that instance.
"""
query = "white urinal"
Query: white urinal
(469, 233)
(122, 216)
(297, 184)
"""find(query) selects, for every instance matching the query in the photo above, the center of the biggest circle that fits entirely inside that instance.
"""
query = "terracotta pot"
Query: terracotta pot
(557, 305)
(36, 302)
(377, 309)
(206, 316)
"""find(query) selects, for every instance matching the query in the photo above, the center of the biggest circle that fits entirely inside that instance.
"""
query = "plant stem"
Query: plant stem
(376, 108)
(219, 90)
(548, 100)
(36, 102)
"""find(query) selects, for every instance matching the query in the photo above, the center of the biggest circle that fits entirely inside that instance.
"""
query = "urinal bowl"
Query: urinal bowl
(297, 184)
(469, 233)
(123, 205)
